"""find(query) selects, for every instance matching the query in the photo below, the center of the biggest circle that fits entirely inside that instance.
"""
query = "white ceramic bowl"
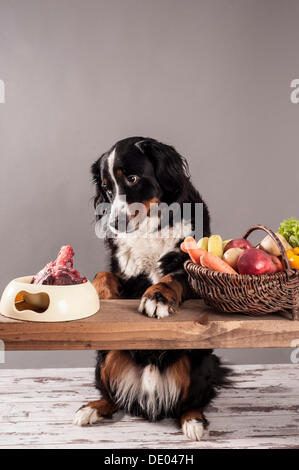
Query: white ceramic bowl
(22, 300)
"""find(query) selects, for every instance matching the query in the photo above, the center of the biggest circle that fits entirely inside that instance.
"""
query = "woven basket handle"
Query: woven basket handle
(274, 237)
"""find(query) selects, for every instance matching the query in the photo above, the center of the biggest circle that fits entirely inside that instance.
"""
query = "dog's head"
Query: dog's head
(139, 170)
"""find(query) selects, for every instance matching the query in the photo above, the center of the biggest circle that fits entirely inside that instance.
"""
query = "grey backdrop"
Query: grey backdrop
(211, 77)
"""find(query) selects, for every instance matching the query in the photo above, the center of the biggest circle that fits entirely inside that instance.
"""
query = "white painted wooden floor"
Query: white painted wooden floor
(261, 410)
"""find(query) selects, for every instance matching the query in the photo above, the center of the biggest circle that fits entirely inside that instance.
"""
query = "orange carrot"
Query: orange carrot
(211, 261)
(183, 248)
(189, 242)
(190, 246)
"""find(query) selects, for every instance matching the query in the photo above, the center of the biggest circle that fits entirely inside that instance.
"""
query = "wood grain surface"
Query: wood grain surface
(118, 325)
(259, 410)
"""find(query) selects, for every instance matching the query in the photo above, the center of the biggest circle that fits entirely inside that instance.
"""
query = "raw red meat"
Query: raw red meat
(60, 272)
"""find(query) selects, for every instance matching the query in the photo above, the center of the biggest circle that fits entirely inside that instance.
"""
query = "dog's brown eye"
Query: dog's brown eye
(132, 179)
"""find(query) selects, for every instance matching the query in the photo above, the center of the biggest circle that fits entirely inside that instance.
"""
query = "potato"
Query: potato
(231, 256)
(269, 245)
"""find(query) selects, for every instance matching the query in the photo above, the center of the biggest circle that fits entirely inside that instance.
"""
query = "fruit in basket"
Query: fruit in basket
(293, 257)
(225, 242)
(277, 263)
(204, 258)
(238, 243)
(232, 256)
(215, 245)
(269, 245)
(255, 261)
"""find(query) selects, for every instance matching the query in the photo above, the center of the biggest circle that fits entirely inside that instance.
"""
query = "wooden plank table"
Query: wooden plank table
(260, 410)
(118, 325)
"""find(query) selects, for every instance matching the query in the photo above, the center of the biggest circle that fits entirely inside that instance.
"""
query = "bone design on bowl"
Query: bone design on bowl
(28, 301)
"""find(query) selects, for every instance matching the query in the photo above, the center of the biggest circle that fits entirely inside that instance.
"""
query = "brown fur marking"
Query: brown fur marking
(194, 414)
(107, 285)
(180, 371)
(104, 407)
(169, 287)
(116, 363)
(148, 203)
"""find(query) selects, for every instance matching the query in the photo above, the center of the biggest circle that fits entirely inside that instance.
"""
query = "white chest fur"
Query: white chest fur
(140, 255)
(153, 390)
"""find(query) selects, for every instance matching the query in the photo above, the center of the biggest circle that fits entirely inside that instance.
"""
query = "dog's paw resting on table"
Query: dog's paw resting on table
(159, 300)
(162, 299)
(107, 285)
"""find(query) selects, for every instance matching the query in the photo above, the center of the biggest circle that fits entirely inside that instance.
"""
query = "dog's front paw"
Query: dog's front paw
(107, 285)
(86, 416)
(193, 429)
(162, 299)
(154, 308)
(154, 304)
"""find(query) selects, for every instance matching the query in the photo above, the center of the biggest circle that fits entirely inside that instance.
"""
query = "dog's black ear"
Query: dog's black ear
(171, 168)
(97, 180)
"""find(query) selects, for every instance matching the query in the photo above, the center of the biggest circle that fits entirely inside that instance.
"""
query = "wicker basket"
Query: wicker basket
(255, 295)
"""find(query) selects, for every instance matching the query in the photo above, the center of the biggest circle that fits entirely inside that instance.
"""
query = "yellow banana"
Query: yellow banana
(215, 245)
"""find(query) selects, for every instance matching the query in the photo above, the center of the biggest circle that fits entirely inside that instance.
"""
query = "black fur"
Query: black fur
(207, 376)
(165, 176)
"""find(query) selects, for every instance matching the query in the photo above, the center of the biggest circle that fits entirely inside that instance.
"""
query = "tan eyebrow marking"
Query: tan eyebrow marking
(105, 181)
(119, 172)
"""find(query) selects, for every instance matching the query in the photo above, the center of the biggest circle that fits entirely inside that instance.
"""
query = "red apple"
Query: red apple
(255, 261)
(277, 264)
(238, 243)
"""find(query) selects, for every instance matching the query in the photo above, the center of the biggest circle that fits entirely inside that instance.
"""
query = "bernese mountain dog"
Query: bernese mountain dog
(153, 384)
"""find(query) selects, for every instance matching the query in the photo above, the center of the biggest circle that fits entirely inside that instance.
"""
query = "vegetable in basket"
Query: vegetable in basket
(293, 257)
(238, 255)
(289, 228)
(270, 246)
